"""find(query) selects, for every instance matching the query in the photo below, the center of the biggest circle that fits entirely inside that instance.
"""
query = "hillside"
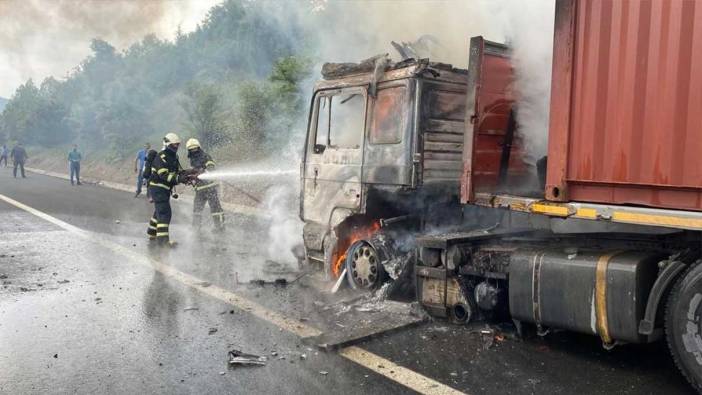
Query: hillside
(3, 102)
(234, 83)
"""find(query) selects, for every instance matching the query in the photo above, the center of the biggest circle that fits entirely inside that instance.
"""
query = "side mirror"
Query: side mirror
(319, 148)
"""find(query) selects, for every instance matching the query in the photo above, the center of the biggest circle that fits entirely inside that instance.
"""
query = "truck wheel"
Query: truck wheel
(683, 324)
(363, 267)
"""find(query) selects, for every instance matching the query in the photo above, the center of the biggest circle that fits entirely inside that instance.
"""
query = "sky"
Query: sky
(41, 38)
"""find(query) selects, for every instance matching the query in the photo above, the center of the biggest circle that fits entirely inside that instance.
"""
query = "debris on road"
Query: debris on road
(212, 331)
(117, 221)
(63, 281)
(204, 284)
(323, 372)
(340, 281)
(237, 357)
(259, 283)
(191, 308)
(278, 282)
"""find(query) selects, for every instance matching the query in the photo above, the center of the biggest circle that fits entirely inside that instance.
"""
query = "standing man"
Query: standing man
(139, 167)
(205, 191)
(74, 158)
(18, 156)
(166, 173)
(3, 154)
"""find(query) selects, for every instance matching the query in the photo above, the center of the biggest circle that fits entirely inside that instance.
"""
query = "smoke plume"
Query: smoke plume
(528, 29)
(364, 29)
(39, 38)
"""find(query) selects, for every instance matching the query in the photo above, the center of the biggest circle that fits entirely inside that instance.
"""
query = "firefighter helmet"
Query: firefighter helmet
(192, 144)
(171, 138)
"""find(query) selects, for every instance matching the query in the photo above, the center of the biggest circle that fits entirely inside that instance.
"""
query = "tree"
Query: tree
(203, 106)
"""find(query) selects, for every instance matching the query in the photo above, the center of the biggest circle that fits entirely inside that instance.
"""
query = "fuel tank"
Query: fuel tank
(598, 292)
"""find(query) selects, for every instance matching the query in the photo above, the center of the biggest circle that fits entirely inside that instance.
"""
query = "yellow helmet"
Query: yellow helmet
(192, 144)
(171, 138)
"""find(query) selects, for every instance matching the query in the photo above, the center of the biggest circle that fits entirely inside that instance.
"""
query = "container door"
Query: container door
(333, 166)
(488, 107)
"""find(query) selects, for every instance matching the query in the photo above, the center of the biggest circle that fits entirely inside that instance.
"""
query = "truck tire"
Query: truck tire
(683, 324)
(363, 266)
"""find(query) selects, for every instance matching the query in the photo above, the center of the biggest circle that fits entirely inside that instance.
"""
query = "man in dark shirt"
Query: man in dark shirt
(139, 167)
(18, 156)
(74, 158)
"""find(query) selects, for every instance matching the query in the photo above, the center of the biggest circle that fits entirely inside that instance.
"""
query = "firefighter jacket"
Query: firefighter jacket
(200, 160)
(164, 170)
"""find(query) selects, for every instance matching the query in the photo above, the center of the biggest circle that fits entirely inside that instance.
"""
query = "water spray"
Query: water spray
(239, 174)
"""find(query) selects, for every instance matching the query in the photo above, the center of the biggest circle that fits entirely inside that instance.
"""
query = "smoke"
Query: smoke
(285, 230)
(352, 31)
(39, 38)
(528, 29)
(363, 29)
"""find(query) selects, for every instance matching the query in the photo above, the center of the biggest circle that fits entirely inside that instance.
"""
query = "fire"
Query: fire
(358, 232)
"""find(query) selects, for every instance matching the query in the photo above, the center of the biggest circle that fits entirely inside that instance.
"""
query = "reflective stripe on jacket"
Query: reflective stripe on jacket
(164, 170)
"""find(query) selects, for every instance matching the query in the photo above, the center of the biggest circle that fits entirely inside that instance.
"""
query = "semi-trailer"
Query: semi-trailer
(418, 170)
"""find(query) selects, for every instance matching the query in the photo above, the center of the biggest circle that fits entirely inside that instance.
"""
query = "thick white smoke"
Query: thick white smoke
(356, 30)
(41, 38)
(527, 26)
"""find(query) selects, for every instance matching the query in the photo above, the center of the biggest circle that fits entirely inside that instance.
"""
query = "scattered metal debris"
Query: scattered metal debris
(323, 372)
(237, 357)
(340, 281)
(278, 282)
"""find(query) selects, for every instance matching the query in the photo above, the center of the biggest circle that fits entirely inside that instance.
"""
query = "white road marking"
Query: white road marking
(395, 372)
(367, 359)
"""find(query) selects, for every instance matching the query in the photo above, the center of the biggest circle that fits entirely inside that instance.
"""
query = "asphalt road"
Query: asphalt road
(85, 307)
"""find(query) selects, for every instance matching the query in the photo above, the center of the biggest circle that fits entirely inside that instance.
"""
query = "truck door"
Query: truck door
(334, 158)
(488, 108)
(388, 155)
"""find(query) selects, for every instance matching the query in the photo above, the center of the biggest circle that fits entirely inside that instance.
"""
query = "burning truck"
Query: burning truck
(417, 171)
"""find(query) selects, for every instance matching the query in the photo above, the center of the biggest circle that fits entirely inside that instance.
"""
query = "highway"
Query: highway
(87, 307)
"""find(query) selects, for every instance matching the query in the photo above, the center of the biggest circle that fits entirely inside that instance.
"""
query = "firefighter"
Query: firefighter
(206, 191)
(166, 173)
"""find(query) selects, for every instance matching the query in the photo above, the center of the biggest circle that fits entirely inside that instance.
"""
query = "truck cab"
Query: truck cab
(383, 140)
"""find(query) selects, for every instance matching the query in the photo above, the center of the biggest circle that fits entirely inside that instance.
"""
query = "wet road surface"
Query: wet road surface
(92, 310)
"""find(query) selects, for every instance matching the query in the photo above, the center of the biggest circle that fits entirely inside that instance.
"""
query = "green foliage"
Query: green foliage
(36, 115)
(203, 106)
(234, 80)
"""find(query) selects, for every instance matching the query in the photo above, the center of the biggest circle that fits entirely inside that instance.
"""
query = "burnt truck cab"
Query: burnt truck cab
(384, 141)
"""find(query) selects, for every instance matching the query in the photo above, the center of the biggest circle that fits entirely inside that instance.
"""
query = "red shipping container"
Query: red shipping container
(626, 103)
